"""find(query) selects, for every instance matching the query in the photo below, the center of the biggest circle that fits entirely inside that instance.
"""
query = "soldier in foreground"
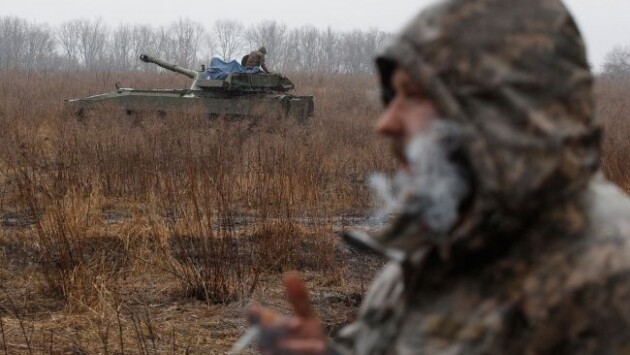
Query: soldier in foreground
(503, 240)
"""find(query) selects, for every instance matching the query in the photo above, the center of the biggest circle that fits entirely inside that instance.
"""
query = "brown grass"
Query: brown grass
(151, 234)
(613, 111)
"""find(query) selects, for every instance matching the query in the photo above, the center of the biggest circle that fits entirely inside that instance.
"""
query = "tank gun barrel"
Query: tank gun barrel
(169, 66)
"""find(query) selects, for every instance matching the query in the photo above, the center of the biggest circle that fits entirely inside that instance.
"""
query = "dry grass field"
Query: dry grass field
(613, 111)
(152, 234)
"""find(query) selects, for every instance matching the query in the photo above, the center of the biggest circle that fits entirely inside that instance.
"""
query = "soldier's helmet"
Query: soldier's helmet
(263, 50)
(513, 75)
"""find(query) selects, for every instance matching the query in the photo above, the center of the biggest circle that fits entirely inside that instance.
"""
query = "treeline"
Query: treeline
(617, 62)
(93, 45)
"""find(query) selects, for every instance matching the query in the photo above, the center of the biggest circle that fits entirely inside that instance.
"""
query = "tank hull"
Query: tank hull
(132, 101)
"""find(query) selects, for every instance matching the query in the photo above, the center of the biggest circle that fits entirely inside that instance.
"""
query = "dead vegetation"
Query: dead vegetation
(151, 235)
(613, 110)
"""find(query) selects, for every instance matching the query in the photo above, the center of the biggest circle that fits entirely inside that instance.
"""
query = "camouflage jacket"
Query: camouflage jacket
(540, 262)
(256, 58)
(562, 288)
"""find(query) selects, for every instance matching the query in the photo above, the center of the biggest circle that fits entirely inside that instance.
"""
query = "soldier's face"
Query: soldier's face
(407, 115)
(432, 183)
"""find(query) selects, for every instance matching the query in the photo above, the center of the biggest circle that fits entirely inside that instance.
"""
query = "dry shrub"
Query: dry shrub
(210, 265)
(201, 247)
(170, 207)
(277, 245)
(287, 245)
(613, 111)
(77, 259)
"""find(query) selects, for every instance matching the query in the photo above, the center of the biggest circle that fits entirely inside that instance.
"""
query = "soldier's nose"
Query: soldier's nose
(389, 123)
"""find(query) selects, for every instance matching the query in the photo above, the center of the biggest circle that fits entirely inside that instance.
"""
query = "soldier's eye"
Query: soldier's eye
(388, 94)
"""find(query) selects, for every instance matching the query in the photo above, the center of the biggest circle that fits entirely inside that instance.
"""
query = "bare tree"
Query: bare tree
(68, 37)
(308, 45)
(617, 62)
(12, 41)
(40, 47)
(270, 34)
(25, 45)
(228, 36)
(92, 40)
(83, 41)
(208, 48)
(358, 49)
(121, 48)
(166, 48)
(186, 36)
(330, 60)
(146, 39)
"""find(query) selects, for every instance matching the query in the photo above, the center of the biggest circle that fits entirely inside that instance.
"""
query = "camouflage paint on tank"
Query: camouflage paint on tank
(239, 94)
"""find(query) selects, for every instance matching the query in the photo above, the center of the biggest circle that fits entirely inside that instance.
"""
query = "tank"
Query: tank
(238, 95)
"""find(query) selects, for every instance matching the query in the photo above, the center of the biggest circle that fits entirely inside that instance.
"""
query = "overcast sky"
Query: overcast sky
(604, 22)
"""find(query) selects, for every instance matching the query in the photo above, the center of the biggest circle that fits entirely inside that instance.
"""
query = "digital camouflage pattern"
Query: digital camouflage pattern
(541, 262)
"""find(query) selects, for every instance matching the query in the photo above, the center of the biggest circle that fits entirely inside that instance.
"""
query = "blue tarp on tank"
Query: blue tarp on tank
(220, 69)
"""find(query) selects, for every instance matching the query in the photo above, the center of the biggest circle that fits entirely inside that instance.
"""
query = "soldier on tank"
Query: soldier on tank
(256, 59)
(504, 239)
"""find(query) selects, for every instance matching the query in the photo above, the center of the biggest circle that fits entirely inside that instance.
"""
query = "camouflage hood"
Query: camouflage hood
(514, 75)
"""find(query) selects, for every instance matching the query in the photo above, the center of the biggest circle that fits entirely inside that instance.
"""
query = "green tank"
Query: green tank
(238, 95)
